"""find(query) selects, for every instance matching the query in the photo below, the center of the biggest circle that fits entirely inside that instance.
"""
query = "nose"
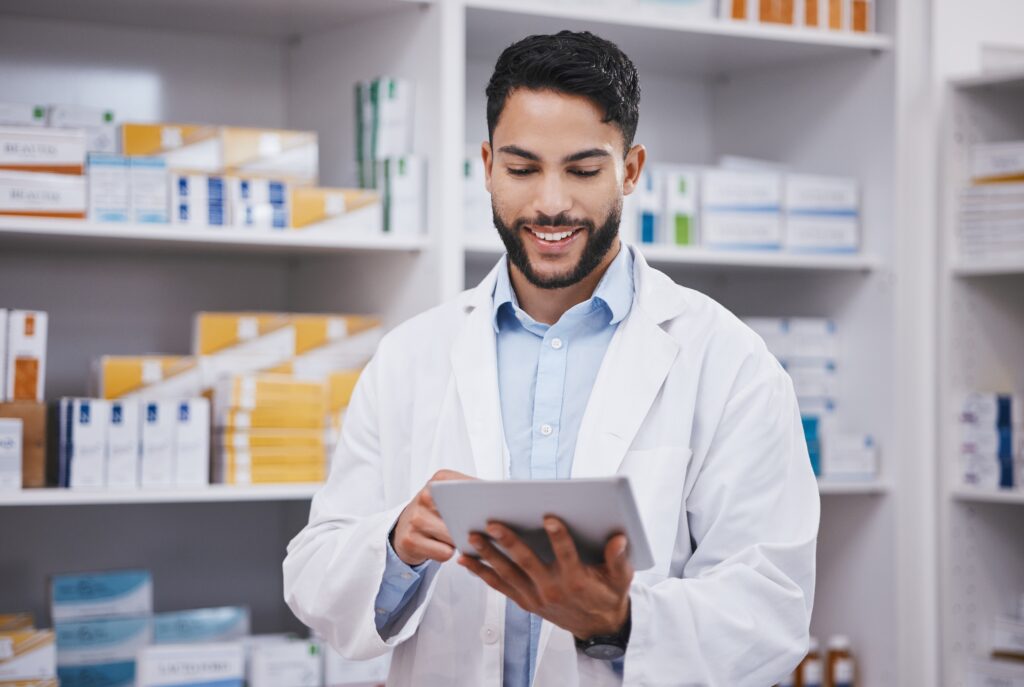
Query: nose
(553, 197)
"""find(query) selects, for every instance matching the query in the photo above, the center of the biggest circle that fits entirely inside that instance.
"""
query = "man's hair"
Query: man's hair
(573, 63)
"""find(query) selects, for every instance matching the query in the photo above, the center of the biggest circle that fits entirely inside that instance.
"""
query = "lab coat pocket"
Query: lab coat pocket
(656, 476)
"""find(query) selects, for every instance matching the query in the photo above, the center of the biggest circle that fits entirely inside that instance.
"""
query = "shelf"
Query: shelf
(489, 246)
(1005, 81)
(660, 38)
(964, 493)
(989, 268)
(215, 493)
(826, 488)
(62, 233)
(257, 18)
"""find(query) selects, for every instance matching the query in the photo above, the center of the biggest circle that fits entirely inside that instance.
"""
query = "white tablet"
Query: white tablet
(593, 509)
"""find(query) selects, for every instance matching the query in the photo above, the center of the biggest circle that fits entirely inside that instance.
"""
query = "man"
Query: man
(573, 358)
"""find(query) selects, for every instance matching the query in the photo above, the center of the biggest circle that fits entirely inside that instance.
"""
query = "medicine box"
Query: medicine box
(201, 626)
(77, 596)
(123, 445)
(159, 421)
(156, 377)
(83, 442)
(192, 443)
(296, 663)
(10, 454)
(741, 209)
(402, 184)
(22, 114)
(11, 622)
(78, 116)
(33, 440)
(35, 149)
(101, 651)
(31, 194)
(26, 655)
(680, 205)
(648, 206)
(848, 456)
(821, 214)
(258, 203)
(192, 665)
(109, 184)
(199, 200)
(340, 387)
(997, 162)
(150, 190)
(335, 208)
(246, 392)
(254, 440)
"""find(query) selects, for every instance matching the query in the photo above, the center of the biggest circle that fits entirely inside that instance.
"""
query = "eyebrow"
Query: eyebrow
(575, 157)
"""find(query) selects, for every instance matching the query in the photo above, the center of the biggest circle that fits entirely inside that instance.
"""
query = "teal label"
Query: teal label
(95, 587)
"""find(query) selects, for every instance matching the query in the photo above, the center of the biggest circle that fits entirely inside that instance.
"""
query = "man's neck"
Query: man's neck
(548, 305)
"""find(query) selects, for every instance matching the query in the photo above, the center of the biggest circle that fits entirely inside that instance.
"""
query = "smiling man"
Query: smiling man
(573, 358)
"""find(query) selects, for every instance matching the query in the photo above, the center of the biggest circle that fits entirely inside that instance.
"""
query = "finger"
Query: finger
(504, 568)
(424, 548)
(490, 578)
(449, 475)
(519, 553)
(620, 570)
(566, 556)
(431, 525)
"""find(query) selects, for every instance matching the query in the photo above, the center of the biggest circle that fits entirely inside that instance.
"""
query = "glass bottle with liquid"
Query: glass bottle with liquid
(840, 668)
(811, 671)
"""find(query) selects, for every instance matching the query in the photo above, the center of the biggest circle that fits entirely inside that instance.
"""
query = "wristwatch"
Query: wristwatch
(607, 647)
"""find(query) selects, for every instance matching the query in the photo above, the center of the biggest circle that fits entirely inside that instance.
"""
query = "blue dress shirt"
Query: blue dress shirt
(545, 375)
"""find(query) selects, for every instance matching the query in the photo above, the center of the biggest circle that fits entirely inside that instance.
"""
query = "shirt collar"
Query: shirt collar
(614, 291)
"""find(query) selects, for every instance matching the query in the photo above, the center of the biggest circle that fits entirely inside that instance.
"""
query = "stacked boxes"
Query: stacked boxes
(203, 665)
(821, 214)
(42, 172)
(203, 625)
(96, 123)
(159, 376)
(28, 657)
(741, 209)
(990, 431)
(992, 208)
(834, 15)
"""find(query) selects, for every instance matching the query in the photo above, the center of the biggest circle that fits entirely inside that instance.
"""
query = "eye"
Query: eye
(585, 172)
(520, 171)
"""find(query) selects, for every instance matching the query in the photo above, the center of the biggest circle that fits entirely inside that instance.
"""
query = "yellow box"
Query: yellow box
(340, 386)
(327, 207)
(158, 376)
(313, 332)
(28, 655)
(267, 153)
(280, 458)
(282, 417)
(245, 392)
(11, 622)
(273, 476)
(268, 439)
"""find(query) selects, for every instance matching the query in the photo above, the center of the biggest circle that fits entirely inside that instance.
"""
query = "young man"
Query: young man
(573, 358)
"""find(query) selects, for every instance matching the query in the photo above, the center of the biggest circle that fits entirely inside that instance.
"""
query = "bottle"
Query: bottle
(840, 668)
(810, 671)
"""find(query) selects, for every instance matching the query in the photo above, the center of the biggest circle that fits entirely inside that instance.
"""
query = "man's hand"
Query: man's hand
(420, 534)
(585, 600)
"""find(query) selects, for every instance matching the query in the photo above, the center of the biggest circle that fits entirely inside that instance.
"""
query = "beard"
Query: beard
(599, 240)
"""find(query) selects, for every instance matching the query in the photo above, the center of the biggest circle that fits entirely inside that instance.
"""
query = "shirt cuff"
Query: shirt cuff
(398, 586)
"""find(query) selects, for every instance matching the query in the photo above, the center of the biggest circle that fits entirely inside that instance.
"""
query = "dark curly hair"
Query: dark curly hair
(574, 63)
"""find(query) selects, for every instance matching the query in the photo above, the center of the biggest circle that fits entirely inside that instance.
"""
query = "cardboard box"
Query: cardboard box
(10, 454)
(297, 663)
(256, 439)
(335, 208)
(246, 392)
(192, 665)
(83, 443)
(266, 153)
(297, 475)
(997, 162)
(27, 655)
(680, 205)
(109, 184)
(192, 443)
(258, 203)
(155, 377)
(741, 209)
(274, 417)
(272, 457)
(78, 116)
(101, 651)
(90, 595)
(199, 200)
(402, 184)
(150, 190)
(814, 378)
(34, 149)
(30, 194)
(123, 450)
(159, 420)
(822, 213)
(848, 456)
(22, 114)
(12, 622)
(341, 385)
(201, 626)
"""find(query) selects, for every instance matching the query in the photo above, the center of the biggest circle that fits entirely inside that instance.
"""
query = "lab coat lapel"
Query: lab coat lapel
(475, 369)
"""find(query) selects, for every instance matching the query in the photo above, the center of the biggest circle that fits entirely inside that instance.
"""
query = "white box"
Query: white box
(79, 596)
(22, 114)
(812, 338)
(10, 454)
(980, 471)
(201, 626)
(647, 201)
(401, 182)
(84, 442)
(192, 665)
(296, 663)
(158, 425)
(199, 200)
(258, 203)
(741, 209)
(109, 184)
(680, 205)
(150, 190)
(78, 117)
(101, 650)
(849, 456)
(192, 443)
(27, 656)
(35, 194)
(123, 445)
(813, 378)
(997, 161)
(42, 149)
(821, 213)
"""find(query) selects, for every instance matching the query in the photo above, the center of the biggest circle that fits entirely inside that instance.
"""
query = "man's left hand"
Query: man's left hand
(586, 600)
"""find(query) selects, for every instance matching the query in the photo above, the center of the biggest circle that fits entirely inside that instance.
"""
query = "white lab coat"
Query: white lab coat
(688, 402)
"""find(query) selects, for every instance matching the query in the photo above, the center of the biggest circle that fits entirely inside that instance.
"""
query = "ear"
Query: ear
(635, 160)
(485, 153)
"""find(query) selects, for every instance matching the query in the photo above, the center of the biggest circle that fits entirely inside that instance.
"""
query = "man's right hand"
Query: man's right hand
(420, 533)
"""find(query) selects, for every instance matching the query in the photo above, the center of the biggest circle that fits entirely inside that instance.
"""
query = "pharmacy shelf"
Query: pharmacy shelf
(489, 246)
(214, 493)
(972, 494)
(82, 234)
(827, 488)
(1012, 80)
(257, 18)
(661, 38)
(995, 267)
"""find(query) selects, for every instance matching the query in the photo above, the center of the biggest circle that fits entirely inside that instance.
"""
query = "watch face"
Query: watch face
(605, 652)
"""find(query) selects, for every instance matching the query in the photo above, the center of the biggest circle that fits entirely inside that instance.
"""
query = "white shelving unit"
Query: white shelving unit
(818, 101)
(982, 333)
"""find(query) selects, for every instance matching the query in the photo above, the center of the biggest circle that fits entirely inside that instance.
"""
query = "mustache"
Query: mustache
(559, 220)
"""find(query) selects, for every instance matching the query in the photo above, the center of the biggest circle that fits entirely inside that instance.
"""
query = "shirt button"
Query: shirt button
(546, 430)
(489, 634)
(406, 576)
(381, 611)
(556, 343)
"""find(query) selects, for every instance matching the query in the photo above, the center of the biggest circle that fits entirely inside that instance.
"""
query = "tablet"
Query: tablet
(593, 509)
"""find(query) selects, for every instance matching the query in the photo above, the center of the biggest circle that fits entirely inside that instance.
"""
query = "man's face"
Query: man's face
(557, 176)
